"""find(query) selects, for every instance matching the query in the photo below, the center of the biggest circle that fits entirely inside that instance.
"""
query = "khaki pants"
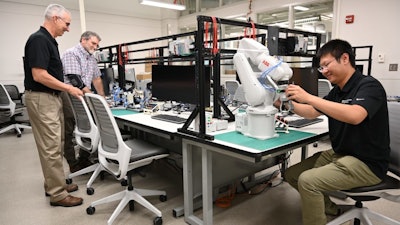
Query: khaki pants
(323, 172)
(46, 118)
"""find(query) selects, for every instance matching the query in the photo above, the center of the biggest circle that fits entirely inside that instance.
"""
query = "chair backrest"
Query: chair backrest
(6, 103)
(394, 126)
(111, 147)
(231, 87)
(85, 126)
(13, 91)
(324, 86)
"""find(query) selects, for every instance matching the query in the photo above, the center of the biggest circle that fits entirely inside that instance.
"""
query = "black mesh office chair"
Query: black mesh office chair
(87, 136)
(231, 87)
(121, 158)
(324, 87)
(11, 106)
(382, 190)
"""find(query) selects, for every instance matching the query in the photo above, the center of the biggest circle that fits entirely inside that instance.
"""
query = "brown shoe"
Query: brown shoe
(68, 201)
(69, 188)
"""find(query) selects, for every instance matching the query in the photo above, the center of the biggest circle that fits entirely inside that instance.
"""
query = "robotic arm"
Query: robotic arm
(264, 79)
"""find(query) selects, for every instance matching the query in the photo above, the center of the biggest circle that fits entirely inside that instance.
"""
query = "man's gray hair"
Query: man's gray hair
(54, 10)
(88, 34)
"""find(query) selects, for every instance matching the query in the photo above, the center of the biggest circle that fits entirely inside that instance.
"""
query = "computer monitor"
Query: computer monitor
(178, 83)
(360, 68)
(130, 75)
(107, 76)
(307, 78)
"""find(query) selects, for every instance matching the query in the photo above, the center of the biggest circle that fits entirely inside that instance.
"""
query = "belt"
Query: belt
(55, 93)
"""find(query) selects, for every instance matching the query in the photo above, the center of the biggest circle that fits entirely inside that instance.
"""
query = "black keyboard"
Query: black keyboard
(299, 123)
(169, 118)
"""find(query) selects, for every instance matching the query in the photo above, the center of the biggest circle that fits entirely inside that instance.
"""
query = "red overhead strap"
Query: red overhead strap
(215, 36)
(253, 31)
(206, 35)
(123, 55)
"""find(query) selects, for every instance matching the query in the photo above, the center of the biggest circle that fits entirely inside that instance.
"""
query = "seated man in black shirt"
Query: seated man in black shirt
(358, 128)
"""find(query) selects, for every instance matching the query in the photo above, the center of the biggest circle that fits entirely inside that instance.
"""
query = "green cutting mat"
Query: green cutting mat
(237, 138)
(122, 112)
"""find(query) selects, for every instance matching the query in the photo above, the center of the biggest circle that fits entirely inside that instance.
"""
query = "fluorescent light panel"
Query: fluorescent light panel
(300, 8)
(162, 4)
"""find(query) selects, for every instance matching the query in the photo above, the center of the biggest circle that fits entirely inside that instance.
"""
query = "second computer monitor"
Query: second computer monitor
(307, 78)
(178, 83)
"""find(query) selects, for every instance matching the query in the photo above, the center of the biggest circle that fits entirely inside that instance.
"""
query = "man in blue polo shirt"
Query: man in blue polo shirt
(358, 128)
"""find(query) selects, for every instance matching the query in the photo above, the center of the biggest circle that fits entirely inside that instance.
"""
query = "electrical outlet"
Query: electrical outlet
(393, 67)
(381, 58)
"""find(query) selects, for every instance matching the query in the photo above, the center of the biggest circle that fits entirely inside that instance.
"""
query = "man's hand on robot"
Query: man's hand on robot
(296, 93)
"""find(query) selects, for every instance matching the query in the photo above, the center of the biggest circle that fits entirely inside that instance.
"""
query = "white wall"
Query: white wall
(18, 21)
(376, 23)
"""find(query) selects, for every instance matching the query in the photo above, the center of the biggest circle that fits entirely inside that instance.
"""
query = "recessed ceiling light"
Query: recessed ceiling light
(301, 8)
(162, 4)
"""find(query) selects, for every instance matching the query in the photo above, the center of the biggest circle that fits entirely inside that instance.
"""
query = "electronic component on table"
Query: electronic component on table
(135, 108)
(150, 108)
(302, 122)
(169, 118)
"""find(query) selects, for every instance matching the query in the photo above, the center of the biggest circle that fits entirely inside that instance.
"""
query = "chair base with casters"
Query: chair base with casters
(96, 168)
(11, 106)
(18, 128)
(130, 196)
(363, 215)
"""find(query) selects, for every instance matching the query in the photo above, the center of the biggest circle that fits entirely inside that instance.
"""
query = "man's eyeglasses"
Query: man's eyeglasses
(66, 23)
(322, 68)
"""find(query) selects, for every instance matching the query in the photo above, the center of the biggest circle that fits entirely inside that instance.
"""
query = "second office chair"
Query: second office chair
(122, 158)
(87, 137)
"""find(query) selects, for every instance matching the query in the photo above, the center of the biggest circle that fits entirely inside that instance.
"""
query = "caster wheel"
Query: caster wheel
(124, 182)
(68, 181)
(163, 198)
(21, 129)
(157, 221)
(315, 145)
(131, 205)
(89, 191)
(18, 135)
(90, 210)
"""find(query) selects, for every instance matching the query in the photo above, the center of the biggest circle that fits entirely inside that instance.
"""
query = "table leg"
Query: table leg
(207, 187)
(187, 180)
(304, 152)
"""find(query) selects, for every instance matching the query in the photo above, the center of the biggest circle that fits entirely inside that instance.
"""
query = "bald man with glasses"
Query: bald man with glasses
(44, 81)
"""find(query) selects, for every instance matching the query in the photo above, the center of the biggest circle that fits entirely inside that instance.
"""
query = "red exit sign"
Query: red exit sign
(349, 19)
